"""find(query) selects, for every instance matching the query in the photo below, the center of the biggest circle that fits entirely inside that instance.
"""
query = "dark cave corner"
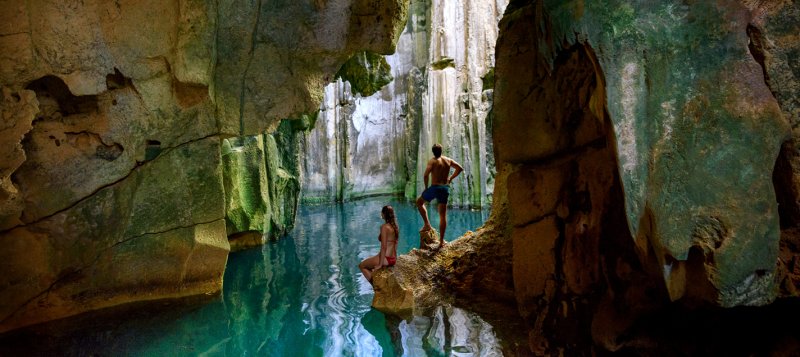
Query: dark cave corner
(787, 195)
(55, 97)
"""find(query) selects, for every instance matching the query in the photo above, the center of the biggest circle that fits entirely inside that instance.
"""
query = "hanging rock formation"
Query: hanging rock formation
(636, 147)
(112, 179)
(366, 144)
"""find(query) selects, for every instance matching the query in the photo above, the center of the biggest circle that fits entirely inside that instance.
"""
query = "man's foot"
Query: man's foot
(426, 228)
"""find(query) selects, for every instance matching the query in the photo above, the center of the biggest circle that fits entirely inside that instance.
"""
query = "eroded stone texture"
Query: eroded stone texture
(262, 185)
(297, 45)
(380, 144)
(703, 119)
(18, 110)
(121, 85)
(638, 149)
(391, 296)
(775, 45)
(123, 243)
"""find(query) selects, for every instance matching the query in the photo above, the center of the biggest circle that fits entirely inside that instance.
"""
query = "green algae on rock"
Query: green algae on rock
(261, 185)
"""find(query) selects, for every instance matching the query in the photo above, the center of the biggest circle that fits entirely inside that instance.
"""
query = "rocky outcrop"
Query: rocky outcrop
(112, 186)
(378, 143)
(477, 264)
(392, 296)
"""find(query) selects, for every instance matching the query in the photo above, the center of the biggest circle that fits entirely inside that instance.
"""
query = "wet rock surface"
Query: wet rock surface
(112, 180)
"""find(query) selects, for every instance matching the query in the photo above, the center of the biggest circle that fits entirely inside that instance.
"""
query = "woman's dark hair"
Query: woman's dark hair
(391, 218)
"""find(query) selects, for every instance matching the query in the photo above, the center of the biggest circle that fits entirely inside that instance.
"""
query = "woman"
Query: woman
(388, 236)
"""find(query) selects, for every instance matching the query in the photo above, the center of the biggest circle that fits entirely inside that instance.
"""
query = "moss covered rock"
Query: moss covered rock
(367, 73)
(261, 185)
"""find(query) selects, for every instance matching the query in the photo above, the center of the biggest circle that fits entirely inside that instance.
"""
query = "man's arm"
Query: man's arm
(427, 173)
(458, 169)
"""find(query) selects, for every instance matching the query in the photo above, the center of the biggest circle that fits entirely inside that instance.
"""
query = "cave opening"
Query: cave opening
(55, 97)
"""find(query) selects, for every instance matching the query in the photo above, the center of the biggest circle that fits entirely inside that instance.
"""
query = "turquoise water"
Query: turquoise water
(300, 296)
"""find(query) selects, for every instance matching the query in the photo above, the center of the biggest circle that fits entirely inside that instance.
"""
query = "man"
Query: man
(438, 168)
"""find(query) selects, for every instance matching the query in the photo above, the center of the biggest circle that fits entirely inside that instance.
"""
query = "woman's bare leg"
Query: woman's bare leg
(367, 265)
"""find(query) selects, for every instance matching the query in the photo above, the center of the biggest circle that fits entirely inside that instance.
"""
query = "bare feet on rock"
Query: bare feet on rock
(426, 228)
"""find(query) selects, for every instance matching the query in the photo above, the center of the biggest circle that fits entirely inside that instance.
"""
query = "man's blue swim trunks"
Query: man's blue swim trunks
(439, 192)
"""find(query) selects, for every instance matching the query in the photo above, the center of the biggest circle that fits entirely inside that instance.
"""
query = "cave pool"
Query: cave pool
(302, 295)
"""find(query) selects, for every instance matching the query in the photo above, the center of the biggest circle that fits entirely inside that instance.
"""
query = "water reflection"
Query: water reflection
(449, 331)
(300, 296)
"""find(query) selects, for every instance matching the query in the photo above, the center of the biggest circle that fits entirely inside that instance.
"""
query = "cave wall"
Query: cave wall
(262, 184)
(113, 182)
(696, 132)
(377, 143)
(637, 144)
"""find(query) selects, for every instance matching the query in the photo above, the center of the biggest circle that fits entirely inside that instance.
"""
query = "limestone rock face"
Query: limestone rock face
(112, 186)
(379, 144)
(694, 137)
(18, 110)
(391, 296)
(639, 144)
(123, 243)
(635, 147)
(298, 45)
(262, 187)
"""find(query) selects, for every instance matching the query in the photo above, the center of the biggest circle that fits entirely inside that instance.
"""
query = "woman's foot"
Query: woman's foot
(426, 228)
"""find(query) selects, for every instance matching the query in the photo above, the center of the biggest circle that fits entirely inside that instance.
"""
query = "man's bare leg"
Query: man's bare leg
(424, 213)
(442, 222)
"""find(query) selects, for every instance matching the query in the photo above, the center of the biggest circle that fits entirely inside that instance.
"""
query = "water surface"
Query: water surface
(300, 296)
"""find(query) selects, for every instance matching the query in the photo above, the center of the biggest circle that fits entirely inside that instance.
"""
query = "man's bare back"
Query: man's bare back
(440, 170)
